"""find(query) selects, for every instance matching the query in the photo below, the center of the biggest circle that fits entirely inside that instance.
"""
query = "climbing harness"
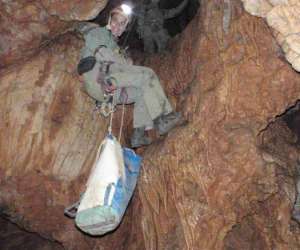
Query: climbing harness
(104, 108)
(107, 109)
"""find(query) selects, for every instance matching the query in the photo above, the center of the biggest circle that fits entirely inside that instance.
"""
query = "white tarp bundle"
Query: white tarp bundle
(109, 188)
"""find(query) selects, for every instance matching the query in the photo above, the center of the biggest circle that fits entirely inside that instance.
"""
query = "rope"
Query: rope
(122, 122)
(111, 114)
(124, 99)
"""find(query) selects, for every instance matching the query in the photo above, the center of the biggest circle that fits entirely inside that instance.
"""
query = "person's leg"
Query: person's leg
(141, 117)
(147, 81)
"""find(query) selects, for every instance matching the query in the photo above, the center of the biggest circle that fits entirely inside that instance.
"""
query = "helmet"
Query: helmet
(124, 10)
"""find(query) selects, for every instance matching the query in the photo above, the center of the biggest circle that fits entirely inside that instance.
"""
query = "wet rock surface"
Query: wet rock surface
(209, 184)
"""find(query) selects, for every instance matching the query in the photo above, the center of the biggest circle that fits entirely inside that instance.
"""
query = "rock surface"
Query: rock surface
(23, 240)
(284, 17)
(209, 184)
(48, 139)
(27, 25)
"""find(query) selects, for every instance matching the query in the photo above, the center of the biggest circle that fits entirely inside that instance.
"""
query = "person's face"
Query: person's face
(118, 24)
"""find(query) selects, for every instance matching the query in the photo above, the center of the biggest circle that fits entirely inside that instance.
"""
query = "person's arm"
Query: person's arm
(106, 54)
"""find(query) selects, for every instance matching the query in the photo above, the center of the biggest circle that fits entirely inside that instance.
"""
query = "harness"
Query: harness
(105, 81)
(108, 108)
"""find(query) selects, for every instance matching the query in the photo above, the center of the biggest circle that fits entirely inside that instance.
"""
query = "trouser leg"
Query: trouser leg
(147, 82)
(141, 117)
(154, 96)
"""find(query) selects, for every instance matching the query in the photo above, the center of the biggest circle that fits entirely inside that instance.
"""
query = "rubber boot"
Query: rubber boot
(139, 139)
(165, 123)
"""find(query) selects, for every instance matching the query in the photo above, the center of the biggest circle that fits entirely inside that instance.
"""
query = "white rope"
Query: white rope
(122, 122)
(111, 117)
(111, 114)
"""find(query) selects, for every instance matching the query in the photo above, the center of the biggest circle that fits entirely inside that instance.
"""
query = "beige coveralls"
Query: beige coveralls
(141, 83)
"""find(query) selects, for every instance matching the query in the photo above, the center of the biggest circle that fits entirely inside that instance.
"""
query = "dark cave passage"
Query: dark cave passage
(281, 143)
(281, 138)
(177, 24)
(13, 237)
(292, 119)
(280, 147)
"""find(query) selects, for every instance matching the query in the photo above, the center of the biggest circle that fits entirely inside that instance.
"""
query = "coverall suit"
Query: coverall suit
(141, 83)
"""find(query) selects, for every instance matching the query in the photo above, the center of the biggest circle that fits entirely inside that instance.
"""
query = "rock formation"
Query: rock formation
(211, 173)
(210, 184)
(283, 17)
(22, 239)
(26, 25)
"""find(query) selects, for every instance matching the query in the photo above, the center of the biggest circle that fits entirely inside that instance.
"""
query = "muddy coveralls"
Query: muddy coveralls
(141, 83)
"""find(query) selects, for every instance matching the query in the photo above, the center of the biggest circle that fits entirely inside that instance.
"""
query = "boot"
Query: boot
(165, 123)
(138, 138)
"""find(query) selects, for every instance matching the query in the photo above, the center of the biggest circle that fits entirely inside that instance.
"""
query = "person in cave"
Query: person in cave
(106, 72)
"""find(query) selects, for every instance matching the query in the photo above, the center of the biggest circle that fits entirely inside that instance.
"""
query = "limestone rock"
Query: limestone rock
(74, 10)
(23, 240)
(208, 186)
(48, 137)
(26, 25)
(284, 17)
(257, 7)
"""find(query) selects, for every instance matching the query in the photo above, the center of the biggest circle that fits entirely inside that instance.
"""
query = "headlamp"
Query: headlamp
(126, 9)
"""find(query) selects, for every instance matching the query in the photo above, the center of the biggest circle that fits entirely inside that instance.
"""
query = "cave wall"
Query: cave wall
(27, 25)
(49, 136)
(23, 240)
(204, 186)
(208, 186)
(283, 17)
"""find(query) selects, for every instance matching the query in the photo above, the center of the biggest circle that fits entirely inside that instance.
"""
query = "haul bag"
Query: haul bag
(109, 188)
